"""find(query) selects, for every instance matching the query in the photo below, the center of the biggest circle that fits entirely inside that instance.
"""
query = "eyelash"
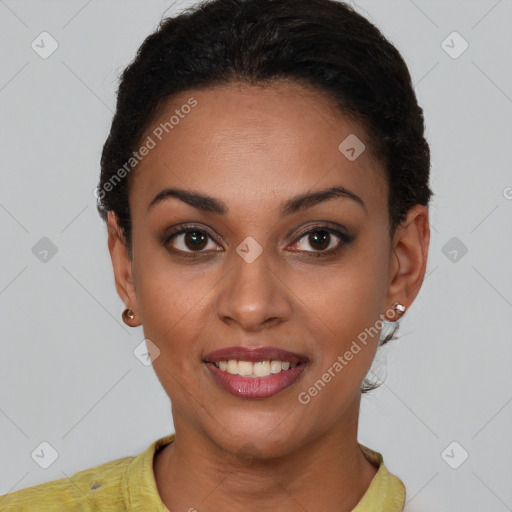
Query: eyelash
(190, 228)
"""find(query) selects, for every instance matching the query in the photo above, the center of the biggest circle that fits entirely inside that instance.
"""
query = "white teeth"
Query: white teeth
(244, 368)
(232, 367)
(276, 366)
(256, 369)
(261, 368)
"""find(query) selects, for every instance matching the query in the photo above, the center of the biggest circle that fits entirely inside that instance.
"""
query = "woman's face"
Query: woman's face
(261, 266)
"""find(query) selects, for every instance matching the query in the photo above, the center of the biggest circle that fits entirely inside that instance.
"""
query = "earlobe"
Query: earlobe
(121, 262)
(409, 259)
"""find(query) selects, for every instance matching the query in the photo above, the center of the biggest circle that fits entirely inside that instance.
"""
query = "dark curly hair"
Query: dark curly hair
(323, 44)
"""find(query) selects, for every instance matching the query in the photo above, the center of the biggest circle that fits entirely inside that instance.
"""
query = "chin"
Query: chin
(259, 438)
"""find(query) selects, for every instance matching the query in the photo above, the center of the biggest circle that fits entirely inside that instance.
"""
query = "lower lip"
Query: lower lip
(256, 387)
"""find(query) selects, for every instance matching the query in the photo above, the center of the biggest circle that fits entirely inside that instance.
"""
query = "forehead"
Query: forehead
(256, 141)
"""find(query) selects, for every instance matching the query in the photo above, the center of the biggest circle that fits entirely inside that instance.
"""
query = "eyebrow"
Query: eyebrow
(295, 204)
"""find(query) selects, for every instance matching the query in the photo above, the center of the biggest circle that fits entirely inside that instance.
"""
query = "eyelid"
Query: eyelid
(339, 232)
(323, 225)
(183, 228)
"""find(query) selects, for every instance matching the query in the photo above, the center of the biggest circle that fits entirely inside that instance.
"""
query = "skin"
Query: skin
(253, 148)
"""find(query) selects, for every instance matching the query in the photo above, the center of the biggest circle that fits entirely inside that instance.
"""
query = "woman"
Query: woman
(265, 186)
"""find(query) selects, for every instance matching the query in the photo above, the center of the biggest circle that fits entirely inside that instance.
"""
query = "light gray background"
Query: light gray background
(68, 375)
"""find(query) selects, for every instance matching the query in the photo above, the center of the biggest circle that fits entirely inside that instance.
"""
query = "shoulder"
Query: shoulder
(386, 490)
(92, 489)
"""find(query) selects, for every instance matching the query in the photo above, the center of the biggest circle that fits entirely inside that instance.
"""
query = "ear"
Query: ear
(121, 262)
(409, 259)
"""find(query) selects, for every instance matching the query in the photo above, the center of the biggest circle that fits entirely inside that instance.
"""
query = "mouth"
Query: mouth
(255, 373)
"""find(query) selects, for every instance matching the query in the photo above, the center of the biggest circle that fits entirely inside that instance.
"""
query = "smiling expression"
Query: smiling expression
(251, 229)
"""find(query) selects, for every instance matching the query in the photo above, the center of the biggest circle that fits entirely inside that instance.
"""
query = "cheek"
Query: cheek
(344, 306)
(348, 298)
(168, 305)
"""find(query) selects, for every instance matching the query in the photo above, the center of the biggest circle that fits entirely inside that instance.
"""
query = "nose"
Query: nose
(253, 295)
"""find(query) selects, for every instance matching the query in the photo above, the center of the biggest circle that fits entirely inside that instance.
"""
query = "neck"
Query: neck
(329, 472)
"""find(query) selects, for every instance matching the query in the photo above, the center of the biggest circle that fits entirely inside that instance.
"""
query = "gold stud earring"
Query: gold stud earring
(128, 315)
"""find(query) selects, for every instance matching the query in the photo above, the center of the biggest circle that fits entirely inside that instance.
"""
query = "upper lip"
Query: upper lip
(254, 354)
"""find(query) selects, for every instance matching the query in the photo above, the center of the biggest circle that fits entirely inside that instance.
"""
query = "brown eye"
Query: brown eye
(195, 240)
(191, 240)
(319, 240)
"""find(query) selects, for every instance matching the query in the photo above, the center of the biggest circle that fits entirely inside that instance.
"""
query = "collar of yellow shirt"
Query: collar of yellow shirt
(386, 491)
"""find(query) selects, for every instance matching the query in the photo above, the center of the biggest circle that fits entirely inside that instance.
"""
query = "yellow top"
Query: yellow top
(128, 485)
